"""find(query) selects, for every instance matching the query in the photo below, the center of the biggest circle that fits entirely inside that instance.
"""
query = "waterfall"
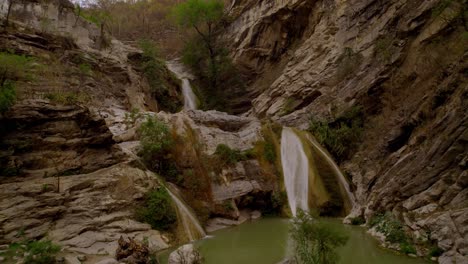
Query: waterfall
(307, 169)
(187, 218)
(342, 180)
(190, 99)
(296, 170)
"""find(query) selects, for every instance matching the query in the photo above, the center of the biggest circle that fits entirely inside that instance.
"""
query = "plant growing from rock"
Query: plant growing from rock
(155, 144)
(157, 210)
(32, 252)
(12, 68)
(315, 241)
(341, 135)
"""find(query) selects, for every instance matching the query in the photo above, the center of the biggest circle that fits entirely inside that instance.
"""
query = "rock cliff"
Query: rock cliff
(405, 63)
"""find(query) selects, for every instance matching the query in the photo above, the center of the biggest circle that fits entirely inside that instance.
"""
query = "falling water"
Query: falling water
(342, 180)
(190, 99)
(296, 170)
(192, 227)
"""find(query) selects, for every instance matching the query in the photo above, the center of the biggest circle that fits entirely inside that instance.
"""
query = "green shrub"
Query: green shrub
(315, 241)
(12, 68)
(229, 156)
(435, 251)
(154, 69)
(341, 135)
(34, 252)
(358, 220)
(155, 142)
(68, 98)
(391, 227)
(7, 96)
(407, 248)
(157, 210)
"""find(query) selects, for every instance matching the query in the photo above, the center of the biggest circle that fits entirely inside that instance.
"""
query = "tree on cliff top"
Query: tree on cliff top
(203, 16)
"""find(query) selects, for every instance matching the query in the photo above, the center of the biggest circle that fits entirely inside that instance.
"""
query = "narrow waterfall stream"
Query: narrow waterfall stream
(190, 99)
(342, 180)
(187, 218)
(296, 170)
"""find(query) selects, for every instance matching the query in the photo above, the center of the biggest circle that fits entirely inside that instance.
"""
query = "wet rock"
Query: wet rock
(108, 261)
(186, 254)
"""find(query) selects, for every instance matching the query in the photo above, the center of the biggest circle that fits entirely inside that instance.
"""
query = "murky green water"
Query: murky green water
(266, 241)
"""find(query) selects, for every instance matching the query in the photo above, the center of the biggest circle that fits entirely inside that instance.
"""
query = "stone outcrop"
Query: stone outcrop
(404, 62)
(186, 254)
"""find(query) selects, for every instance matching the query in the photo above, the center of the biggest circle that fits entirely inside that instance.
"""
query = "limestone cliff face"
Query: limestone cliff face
(405, 62)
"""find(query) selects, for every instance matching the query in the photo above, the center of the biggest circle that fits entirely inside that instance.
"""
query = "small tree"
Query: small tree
(12, 68)
(155, 140)
(7, 18)
(203, 16)
(315, 241)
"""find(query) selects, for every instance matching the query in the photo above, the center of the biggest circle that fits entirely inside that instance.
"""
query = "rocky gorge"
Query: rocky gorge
(70, 170)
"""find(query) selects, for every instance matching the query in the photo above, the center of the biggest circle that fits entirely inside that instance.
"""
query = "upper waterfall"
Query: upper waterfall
(296, 170)
(190, 99)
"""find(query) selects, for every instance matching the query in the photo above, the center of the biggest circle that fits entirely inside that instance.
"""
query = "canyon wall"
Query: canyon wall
(405, 64)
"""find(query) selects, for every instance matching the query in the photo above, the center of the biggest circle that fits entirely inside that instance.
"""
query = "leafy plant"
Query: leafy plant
(391, 227)
(358, 220)
(315, 241)
(154, 68)
(407, 248)
(155, 144)
(229, 156)
(67, 98)
(12, 68)
(340, 135)
(157, 210)
(435, 251)
(34, 252)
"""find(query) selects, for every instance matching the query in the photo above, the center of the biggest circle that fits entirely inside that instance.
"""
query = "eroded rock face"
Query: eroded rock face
(404, 63)
(43, 139)
(85, 214)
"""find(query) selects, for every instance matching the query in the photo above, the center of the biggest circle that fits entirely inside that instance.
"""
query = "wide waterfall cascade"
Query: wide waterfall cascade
(342, 180)
(190, 223)
(190, 99)
(296, 170)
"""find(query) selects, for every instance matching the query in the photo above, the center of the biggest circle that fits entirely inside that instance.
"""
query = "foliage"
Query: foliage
(7, 96)
(315, 241)
(157, 210)
(203, 53)
(407, 248)
(132, 117)
(229, 156)
(340, 135)
(391, 227)
(435, 251)
(154, 68)
(359, 220)
(155, 143)
(12, 68)
(34, 252)
(68, 98)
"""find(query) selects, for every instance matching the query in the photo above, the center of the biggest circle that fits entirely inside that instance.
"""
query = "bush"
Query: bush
(391, 227)
(157, 210)
(435, 251)
(341, 135)
(7, 96)
(229, 156)
(407, 248)
(315, 242)
(155, 143)
(154, 68)
(12, 68)
(358, 220)
(34, 252)
(67, 98)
